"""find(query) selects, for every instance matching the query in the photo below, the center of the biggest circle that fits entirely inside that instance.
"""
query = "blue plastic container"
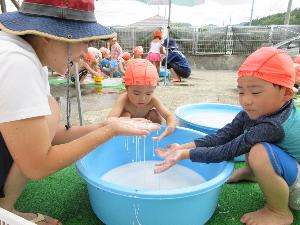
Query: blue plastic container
(207, 117)
(163, 71)
(118, 205)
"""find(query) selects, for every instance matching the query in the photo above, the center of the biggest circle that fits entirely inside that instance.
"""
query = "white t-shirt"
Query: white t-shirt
(155, 47)
(24, 87)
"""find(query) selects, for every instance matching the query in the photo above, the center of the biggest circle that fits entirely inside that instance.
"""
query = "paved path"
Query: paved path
(202, 86)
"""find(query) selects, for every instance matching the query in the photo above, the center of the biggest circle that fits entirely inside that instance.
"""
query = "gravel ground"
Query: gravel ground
(202, 86)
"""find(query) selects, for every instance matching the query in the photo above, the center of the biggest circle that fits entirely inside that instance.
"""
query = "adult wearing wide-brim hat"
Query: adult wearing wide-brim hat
(33, 144)
(177, 62)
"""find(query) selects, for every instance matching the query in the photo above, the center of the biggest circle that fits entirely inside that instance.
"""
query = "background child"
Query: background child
(155, 50)
(104, 65)
(86, 66)
(126, 59)
(297, 68)
(138, 52)
(115, 57)
(138, 101)
(267, 130)
(177, 62)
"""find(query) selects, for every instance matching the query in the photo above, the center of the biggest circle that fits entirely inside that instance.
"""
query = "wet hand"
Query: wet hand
(128, 126)
(171, 158)
(166, 132)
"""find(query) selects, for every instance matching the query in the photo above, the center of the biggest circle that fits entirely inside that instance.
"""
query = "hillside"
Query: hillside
(278, 19)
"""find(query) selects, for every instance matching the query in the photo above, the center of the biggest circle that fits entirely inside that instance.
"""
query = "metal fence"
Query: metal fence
(229, 40)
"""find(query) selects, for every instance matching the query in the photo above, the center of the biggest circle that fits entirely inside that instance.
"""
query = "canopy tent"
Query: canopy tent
(169, 3)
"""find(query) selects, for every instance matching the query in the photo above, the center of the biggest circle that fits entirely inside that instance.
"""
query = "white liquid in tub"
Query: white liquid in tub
(210, 118)
(140, 175)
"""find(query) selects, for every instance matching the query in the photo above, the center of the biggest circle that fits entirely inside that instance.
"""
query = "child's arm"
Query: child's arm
(119, 106)
(91, 71)
(167, 115)
(263, 132)
(225, 134)
(162, 51)
(266, 131)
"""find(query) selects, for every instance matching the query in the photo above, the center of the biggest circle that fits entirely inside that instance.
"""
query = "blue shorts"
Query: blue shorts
(105, 62)
(114, 63)
(288, 168)
(106, 70)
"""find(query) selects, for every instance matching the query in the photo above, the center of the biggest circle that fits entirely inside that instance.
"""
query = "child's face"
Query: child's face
(259, 97)
(139, 95)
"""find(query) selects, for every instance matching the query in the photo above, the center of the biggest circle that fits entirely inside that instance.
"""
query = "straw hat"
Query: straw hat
(68, 20)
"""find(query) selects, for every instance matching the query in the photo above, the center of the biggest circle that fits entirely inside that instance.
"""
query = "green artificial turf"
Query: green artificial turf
(64, 196)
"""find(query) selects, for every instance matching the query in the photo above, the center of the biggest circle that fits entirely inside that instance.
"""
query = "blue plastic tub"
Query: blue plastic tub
(118, 205)
(207, 117)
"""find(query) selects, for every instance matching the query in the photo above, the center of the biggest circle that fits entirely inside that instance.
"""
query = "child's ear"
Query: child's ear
(289, 94)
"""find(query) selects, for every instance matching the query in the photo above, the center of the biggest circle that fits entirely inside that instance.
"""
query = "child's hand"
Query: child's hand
(171, 158)
(166, 132)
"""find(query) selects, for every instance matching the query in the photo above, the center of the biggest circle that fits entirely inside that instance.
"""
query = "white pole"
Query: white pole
(168, 38)
(251, 16)
(288, 13)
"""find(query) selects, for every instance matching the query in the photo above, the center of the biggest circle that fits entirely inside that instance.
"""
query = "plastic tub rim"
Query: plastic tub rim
(214, 129)
(213, 183)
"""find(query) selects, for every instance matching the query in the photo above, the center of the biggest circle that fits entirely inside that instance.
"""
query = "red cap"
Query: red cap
(138, 50)
(269, 64)
(141, 72)
(105, 52)
(90, 57)
(126, 56)
(157, 33)
(297, 59)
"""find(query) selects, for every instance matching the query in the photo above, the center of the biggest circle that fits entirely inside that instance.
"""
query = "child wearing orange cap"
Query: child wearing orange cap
(155, 50)
(266, 130)
(297, 68)
(104, 65)
(86, 66)
(138, 52)
(126, 59)
(138, 101)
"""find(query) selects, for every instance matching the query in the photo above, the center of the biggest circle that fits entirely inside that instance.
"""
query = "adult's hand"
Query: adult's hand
(128, 126)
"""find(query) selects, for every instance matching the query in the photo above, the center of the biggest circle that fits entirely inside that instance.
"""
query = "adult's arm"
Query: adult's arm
(29, 143)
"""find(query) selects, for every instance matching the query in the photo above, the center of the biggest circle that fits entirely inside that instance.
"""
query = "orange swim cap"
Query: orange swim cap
(105, 52)
(269, 64)
(126, 56)
(141, 72)
(90, 57)
(297, 59)
(138, 50)
(157, 33)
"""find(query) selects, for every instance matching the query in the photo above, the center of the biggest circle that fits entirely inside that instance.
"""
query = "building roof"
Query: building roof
(153, 22)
